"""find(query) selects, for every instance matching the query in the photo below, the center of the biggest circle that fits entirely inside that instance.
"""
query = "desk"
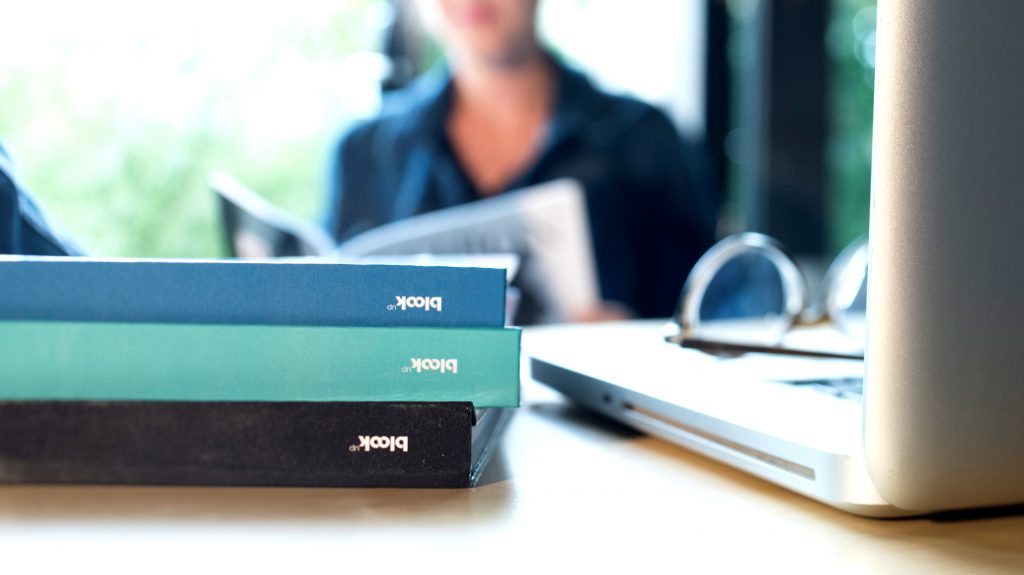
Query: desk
(566, 488)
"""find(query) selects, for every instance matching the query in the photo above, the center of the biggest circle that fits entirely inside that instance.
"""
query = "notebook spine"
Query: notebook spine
(247, 443)
(234, 292)
(174, 362)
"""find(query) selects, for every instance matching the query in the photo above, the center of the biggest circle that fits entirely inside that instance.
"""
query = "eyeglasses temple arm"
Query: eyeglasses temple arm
(726, 347)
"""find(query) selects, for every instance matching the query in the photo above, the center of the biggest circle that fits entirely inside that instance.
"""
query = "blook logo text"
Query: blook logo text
(388, 442)
(406, 302)
(419, 365)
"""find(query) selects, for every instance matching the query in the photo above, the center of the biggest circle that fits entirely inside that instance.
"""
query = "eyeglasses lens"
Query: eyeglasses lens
(745, 302)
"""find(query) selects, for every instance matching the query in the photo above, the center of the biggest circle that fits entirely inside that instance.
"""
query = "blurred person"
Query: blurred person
(24, 229)
(503, 114)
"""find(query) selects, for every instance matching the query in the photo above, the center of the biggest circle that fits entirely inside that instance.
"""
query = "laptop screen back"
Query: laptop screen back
(944, 412)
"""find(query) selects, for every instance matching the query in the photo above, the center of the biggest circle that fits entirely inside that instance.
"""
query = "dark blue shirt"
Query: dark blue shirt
(23, 227)
(650, 203)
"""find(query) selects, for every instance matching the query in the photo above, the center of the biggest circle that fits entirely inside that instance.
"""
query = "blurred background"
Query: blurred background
(117, 111)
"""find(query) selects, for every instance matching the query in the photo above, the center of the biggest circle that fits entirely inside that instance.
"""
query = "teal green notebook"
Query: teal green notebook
(181, 362)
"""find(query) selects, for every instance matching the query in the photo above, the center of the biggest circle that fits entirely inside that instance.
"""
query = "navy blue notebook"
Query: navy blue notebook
(232, 291)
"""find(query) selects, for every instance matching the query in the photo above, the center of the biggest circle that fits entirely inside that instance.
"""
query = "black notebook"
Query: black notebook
(323, 444)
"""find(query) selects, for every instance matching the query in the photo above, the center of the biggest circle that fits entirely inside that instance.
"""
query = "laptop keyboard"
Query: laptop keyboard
(844, 388)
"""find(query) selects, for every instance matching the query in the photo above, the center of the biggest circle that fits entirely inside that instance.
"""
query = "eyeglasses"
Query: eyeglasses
(746, 293)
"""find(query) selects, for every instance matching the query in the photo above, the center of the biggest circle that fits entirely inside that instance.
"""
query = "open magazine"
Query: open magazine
(544, 226)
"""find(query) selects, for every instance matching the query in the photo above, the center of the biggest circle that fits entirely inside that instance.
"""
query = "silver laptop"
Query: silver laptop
(939, 421)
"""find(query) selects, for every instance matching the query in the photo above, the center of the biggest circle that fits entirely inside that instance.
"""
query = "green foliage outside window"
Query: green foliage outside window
(116, 122)
(851, 45)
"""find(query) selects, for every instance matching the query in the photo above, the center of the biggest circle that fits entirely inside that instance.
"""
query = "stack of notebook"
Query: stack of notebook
(251, 373)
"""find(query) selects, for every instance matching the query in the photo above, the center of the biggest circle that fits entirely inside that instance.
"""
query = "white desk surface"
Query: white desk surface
(565, 489)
